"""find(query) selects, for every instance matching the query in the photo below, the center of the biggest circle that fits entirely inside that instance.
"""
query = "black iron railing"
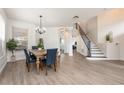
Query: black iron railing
(84, 37)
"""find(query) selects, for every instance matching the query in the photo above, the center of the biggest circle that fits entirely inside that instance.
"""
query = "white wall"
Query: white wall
(83, 26)
(31, 36)
(91, 28)
(66, 34)
(3, 60)
(51, 37)
(21, 24)
(81, 47)
(93, 34)
(112, 51)
(68, 41)
(112, 21)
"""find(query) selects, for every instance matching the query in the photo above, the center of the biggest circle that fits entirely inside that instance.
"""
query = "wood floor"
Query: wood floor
(74, 70)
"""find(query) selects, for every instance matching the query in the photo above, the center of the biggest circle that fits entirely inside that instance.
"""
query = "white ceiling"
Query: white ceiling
(52, 16)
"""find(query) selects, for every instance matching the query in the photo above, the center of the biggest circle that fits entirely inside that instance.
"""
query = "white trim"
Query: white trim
(90, 58)
(2, 56)
(70, 54)
(4, 63)
(1, 69)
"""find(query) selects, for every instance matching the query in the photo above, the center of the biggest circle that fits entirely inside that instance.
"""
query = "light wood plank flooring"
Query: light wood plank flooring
(73, 70)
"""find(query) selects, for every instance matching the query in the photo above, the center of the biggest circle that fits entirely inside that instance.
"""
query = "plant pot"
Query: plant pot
(39, 48)
(107, 41)
(13, 58)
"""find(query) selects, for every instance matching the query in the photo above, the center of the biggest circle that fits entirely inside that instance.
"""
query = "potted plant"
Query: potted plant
(40, 44)
(108, 38)
(11, 46)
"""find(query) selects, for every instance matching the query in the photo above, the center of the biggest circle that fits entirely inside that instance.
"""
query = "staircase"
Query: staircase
(93, 50)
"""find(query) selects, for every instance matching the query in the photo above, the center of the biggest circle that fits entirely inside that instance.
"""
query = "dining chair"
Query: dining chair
(29, 59)
(58, 60)
(50, 58)
(32, 55)
(34, 47)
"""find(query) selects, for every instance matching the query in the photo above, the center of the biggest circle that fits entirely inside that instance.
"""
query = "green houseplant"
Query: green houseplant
(11, 45)
(40, 44)
(108, 38)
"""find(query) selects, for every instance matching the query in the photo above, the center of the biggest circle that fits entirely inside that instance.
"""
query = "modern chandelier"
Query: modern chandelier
(75, 19)
(40, 29)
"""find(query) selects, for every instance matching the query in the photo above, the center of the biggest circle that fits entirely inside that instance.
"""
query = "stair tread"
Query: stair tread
(97, 57)
(95, 50)
(94, 47)
(97, 53)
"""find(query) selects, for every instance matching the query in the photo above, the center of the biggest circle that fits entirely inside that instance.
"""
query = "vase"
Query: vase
(39, 48)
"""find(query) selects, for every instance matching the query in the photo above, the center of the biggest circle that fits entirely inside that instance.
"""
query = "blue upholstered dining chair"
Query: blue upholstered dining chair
(32, 56)
(50, 58)
(29, 59)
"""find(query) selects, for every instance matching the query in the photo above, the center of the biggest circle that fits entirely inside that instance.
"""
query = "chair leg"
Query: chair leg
(41, 66)
(46, 70)
(55, 67)
(26, 63)
(58, 64)
(28, 66)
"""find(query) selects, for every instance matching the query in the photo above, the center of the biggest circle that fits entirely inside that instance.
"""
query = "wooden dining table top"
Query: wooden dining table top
(39, 52)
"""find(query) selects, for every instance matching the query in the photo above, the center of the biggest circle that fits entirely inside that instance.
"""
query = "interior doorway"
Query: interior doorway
(62, 44)
(74, 45)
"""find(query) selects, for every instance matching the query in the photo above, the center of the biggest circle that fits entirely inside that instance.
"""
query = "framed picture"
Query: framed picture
(21, 37)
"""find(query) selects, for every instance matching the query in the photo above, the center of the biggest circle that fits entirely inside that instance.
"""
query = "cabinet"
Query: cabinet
(112, 51)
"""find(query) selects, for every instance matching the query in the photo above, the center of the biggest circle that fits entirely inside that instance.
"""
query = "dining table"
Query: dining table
(39, 55)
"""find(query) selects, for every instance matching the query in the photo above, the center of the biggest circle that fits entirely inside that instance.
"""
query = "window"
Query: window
(2, 36)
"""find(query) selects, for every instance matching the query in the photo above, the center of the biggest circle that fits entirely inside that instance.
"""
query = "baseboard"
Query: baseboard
(70, 54)
(17, 60)
(1, 69)
(91, 58)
